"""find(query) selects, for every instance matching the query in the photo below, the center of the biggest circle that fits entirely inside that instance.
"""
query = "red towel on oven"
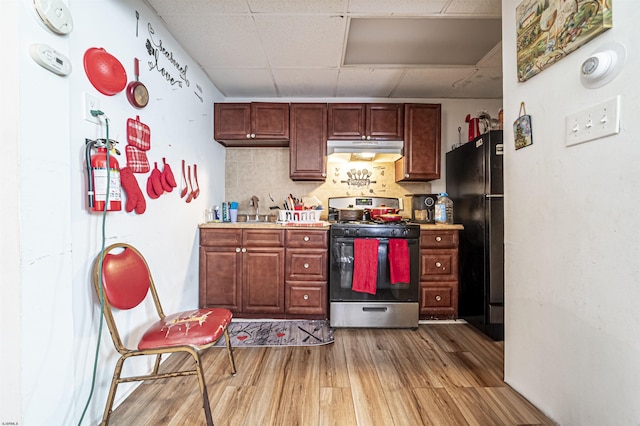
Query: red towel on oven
(399, 267)
(365, 265)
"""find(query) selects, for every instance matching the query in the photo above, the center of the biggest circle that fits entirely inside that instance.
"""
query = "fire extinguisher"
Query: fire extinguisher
(100, 177)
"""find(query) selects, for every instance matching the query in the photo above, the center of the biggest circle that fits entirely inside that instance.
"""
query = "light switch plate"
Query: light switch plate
(593, 123)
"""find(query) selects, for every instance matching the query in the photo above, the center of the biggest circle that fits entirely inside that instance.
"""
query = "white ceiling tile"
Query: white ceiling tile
(484, 83)
(234, 43)
(367, 82)
(493, 59)
(308, 41)
(243, 82)
(476, 7)
(298, 6)
(198, 7)
(431, 82)
(305, 83)
(391, 7)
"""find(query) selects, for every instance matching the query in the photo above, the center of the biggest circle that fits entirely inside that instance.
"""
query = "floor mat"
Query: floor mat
(279, 333)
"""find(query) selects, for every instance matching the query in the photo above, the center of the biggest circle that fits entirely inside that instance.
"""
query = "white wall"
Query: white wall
(55, 309)
(572, 241)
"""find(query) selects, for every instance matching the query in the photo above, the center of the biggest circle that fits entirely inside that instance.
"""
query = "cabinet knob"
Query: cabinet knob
(324, 175)
(237, 249)
(253, 135)
(438, 264)
(306, 238)
(406, 175)
(244, 250)
(363, 137)
(305, 297)
(438, 238)
(306, 266)
(368, 138)
(438, 298)
(248, 135)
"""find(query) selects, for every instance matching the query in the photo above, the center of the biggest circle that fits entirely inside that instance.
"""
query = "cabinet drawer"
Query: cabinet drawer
(306, 265)
(306, 298)
(438, 264)
(439, 239)
(221, 237)
(439, 298)
(306, 239)
(262, 238)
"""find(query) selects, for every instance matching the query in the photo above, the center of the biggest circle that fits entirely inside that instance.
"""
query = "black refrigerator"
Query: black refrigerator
(474, 184)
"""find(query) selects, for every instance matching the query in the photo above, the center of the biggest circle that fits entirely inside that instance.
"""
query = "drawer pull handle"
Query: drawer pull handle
(438, 298)
(305, 297)
(438, 264)
(438, 238)
(237, 249)
(306, 238)
(306, 266)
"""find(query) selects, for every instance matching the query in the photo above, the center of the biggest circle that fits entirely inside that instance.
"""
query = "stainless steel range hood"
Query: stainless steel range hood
(354, 150)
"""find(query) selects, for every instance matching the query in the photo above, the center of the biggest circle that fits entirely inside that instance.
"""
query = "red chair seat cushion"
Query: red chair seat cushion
(198, 328)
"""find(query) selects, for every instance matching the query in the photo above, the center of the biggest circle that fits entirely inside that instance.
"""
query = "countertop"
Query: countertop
(321, 226)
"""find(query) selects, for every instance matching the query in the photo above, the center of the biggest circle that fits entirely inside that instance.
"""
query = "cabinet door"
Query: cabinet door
(308, 143)
(346, 121)
(421, 161)
(231, 122)
(220, 278)
(263, 280)
(270, 121)
(385, 121)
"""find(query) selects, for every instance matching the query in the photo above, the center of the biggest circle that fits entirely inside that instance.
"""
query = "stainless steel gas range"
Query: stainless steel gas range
(374, 268)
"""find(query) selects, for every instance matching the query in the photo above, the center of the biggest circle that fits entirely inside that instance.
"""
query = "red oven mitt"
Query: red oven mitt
(135, 199)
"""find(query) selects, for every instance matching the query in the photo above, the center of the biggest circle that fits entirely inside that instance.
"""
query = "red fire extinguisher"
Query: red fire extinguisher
(102, 178)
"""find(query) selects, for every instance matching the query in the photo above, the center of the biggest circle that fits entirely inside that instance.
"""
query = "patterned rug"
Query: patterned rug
(279, 333)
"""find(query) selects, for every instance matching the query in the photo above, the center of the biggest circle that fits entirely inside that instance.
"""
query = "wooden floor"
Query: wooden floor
(443, 374)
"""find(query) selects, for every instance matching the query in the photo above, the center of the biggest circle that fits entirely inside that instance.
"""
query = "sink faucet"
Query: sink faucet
(254, 203)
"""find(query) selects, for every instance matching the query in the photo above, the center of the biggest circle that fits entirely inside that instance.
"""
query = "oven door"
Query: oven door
(341, 274)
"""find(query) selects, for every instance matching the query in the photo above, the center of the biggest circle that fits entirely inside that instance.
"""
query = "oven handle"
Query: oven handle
(374, 309)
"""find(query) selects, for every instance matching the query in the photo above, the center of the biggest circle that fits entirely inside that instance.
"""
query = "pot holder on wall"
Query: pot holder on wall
(138, 134)
(137, 159)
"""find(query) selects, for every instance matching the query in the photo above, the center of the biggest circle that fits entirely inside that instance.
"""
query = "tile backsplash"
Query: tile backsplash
(264, 172)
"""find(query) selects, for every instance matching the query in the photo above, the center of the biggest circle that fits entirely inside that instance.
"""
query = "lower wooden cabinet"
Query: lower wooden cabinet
(439, 274)
(264, 272)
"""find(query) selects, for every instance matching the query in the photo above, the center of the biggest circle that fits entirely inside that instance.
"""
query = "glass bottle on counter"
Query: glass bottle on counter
(444, 209)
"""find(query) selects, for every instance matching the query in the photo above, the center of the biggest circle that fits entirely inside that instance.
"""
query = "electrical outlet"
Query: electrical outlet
(90, 102)
(593, 123)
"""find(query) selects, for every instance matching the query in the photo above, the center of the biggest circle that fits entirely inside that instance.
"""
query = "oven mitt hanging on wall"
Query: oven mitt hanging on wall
(135, 199)
(167, 175)
(150, 192)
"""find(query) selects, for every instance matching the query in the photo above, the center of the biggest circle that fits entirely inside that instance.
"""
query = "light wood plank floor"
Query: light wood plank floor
(442, 374)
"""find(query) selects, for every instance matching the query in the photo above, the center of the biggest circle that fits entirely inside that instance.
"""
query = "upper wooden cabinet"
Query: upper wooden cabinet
(366, 121)
(308, 144)
(421, 161)
(251, 124)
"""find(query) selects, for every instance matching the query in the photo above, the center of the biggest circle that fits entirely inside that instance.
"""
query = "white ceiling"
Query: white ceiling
(296, 48)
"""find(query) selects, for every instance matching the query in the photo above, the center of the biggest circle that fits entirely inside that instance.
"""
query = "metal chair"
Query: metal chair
(126, 280)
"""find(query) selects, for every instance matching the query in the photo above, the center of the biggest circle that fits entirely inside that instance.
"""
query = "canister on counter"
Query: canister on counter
(225, 212)
(216, 213)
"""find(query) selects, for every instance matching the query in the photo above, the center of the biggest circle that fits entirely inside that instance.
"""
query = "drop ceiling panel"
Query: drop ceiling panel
(317, 39)
(298, 6)
(198, 7)
(485, 83)
(420, 41)
(368, 82)
(406, 7)
(235, 41)
(243, 82)
(430, 83)
(476, 7)
(305, 83)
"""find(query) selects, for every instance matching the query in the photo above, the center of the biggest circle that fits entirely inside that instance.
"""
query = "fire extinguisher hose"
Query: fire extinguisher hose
(96, 113)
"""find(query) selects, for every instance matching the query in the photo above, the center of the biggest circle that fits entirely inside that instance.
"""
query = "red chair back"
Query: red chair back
(125, 278)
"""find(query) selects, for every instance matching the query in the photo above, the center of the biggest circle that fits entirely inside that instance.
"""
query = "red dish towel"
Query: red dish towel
(399, 267)
(365, 265)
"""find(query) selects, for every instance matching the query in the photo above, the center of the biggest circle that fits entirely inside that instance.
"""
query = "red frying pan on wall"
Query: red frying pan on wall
(137, 93)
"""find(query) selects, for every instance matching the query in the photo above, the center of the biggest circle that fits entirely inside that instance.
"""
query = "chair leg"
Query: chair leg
(112, 391)
(230, 352)
(157, 364)
(203, 388)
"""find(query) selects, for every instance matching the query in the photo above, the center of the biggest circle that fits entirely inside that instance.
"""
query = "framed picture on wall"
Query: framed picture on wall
(548, 30)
